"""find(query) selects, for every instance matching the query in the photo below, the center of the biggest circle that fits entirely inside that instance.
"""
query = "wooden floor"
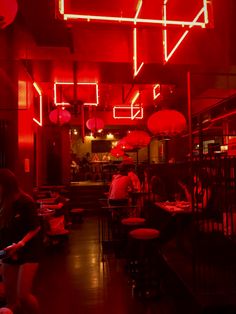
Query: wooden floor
(76, 280)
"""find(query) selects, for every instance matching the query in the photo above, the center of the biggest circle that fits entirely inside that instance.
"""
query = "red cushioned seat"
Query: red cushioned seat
(145, 234)
(133, 221)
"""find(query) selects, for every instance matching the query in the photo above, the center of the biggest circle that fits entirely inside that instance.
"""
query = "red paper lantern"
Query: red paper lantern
(117, 152)
(8, 10)
(138, 139)
(167, 123)
(124, 145)
(95, 124)
(60, 116)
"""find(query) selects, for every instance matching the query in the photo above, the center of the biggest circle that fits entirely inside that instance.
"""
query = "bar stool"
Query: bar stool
(144, 261)
(77, 215)
(127, 225)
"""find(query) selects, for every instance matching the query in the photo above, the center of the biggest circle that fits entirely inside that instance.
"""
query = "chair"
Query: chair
(144, 260)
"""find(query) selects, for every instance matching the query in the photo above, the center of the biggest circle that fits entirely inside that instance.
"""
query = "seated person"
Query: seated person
(119, 188)
(202, 190)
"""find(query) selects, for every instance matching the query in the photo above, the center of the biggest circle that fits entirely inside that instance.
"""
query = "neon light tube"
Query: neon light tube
(38, 90)
(165, 52)
(138, 10)
(206, 18)
(127, 108)
(71, 83)
(62, 7)
(156, 95)
(135, 98)
(136, 68)
(129, 20)
(167, 57)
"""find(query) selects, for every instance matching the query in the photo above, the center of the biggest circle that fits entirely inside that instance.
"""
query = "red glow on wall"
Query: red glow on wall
(39, 92)
(58, 97)
(130, 20)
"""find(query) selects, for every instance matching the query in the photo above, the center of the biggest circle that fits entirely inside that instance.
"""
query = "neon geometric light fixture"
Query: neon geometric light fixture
(136, 20)
(39, 92)
(57, 100)
(132, 112)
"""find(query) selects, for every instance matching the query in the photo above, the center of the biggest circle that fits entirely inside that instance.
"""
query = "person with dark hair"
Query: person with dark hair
(20, 238)
(120, 186)
(202, 189)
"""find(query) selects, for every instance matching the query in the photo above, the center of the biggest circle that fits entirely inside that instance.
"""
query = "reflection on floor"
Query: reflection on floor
(75, 280)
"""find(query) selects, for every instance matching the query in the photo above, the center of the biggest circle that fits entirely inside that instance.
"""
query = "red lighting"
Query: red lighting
(57, 102)
(38, 90)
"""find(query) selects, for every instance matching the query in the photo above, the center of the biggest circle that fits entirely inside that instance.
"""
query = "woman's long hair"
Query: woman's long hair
(10, 190)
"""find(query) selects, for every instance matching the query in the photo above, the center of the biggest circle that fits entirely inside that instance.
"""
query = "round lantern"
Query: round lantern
(95, 124)
(124, 145)
(138, 139)
(117, 152)
(60, 116)
(8, 10)
(167, 123)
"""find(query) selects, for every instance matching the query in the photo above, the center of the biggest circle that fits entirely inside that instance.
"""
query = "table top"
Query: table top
(46, 200)
(175, 207)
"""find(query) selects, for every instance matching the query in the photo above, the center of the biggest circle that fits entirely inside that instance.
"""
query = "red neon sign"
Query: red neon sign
(58, 99)
(39, 92)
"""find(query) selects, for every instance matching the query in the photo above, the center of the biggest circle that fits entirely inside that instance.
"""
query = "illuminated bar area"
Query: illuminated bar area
(118, 134)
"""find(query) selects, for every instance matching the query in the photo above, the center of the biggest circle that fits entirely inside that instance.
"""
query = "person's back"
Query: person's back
(119, 187)
(135, 181)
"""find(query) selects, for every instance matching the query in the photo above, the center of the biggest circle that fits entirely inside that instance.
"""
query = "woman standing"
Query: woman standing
(20, 239)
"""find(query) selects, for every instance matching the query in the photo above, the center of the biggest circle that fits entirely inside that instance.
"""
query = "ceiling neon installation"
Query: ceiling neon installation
(200, 19)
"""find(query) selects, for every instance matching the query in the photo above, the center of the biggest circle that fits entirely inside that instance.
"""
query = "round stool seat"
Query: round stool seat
(133, 221)
(145, 234)
(5, 310)
(77, 210)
